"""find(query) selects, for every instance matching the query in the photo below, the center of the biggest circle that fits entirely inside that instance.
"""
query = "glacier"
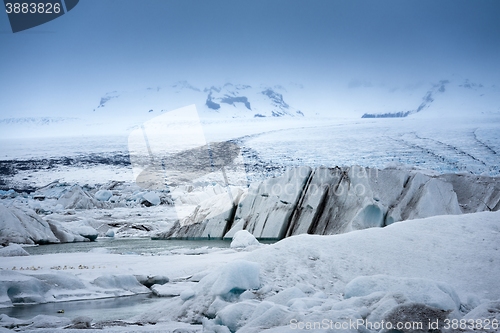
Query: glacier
(328, 201)
(405, 228)
(364, 276)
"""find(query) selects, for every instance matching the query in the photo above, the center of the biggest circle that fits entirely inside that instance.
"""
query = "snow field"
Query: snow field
(443, 266)
(446, 265)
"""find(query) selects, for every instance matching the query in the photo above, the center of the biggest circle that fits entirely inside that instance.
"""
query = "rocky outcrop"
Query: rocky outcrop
(330, 201)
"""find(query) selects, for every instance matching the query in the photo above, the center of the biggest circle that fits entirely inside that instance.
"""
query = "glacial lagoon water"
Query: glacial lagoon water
(127, 246)
(116, 308)
(107, 309)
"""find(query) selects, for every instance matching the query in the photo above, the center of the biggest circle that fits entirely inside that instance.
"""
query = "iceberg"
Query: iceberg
(242, 239)
(24, 227)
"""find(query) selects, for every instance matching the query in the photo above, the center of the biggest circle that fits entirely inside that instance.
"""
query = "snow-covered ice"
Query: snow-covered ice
(172, 289)
(444, 266)
(24, 227)
(329, 201)
(243, 238)
(444, 262)
(235, 278)
(103, 195)
(13, 250)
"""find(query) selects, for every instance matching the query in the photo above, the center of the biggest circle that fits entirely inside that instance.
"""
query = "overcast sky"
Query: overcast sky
(105, 45)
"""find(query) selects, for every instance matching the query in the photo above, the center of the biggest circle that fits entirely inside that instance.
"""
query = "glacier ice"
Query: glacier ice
(431, 293)
(210, 218)
(150, 198)
(236, 277)
(103, 195)
(24, 227)
(13, 250)
(329, 201)
(393, 273)
(116, 284)
(243, 238)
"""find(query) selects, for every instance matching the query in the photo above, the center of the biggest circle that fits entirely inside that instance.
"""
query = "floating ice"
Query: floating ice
(118, 283)
(149, 281)
(149, 198)
(16, 288)
(44, 321)
(77, 198)
(243, 238)
(103, 195)
(24, 227)
(234, 316)
(172, 289)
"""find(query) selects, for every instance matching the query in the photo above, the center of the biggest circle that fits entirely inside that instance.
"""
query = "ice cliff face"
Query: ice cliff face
(328, 201)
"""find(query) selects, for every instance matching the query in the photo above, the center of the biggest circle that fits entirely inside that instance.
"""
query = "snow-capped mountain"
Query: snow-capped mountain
(37, 120)
(228, 100)
(449, 97)
(120, 111)
(244, 100)
(13, 127)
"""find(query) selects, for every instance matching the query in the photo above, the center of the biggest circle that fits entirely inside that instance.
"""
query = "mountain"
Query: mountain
(37, 121)
(446, 97)
(229, 100)
(120, 111)
(16, 127)
(244, 101)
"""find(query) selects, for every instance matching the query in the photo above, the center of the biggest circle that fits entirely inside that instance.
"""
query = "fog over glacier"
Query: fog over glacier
(252, 166)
